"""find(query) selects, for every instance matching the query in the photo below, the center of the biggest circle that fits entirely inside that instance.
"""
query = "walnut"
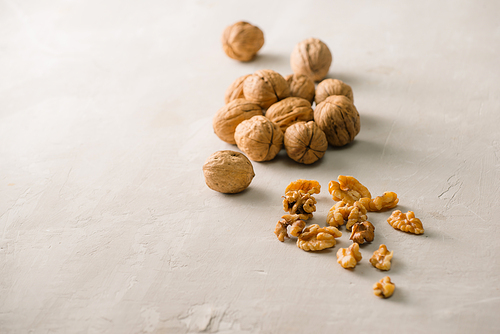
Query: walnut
(235, 90)
(311, 57)
(381, 258)
(348, 189)
(406, 222)
(309, 186)
(305, 142)
(315, 238)
(228, 117)
(289, 111)
(342, 212)
(338, 118)
(349, 257)
(259, 138)
(296, 227)
(242, 41)
(301, 86)
(265, 87)
(228, 172)
(299, 202)
(362, 232)
(329, 87)
(384, 288)
(387, 201)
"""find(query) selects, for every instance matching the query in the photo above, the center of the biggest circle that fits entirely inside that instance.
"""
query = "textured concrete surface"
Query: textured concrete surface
(107, 226)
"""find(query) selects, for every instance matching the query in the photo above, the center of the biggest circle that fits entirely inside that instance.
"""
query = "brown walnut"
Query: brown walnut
(228, 172)
(265, 87)
(301, 86)
(311, 57)
(329, 87)
(338, 118)
(228, 117)
(242, 41)
(289, 111)
(235, 90)
(259, 138)
(305, 142)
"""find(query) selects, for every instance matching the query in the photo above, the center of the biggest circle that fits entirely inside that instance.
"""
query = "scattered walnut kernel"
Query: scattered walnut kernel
(305, 142)
(348, 189)
(235, 90)
(349, 257)
(296, 224)
(387, 201)
(289, 111)
(362, 232)
(242, 41)
(301, 86)
(338, 118)
(265, 87)
(228, 117)
(299, 202)
(329, 87)
(381, 258)
(315, 238)
(311, 57)
(259, 138)
(406, 222)
(342, 212)
(384, 288)
(309, 186)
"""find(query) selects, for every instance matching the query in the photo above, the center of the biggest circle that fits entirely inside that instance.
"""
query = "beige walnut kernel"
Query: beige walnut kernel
(348, 189)
(309, 186)
(315, 238)
(329, 87)
(349, 257)
(311, 57)
(381, 258)
(289, 111)
(259, 138)
(339, 119)
(406, 222)
(228, 117)
(384, 288)
(265, 87)
(228, 172)
(362, 232)
(235, 90)
(387, 201)
(299, 202)
(242, 41)
(294, 222)
(305, 142)
(301, 86)
(343, 212)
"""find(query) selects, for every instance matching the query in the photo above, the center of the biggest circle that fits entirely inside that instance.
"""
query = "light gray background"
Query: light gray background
(107, 226)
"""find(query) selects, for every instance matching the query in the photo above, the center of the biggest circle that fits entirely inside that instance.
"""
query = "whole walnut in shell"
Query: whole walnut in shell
(311, 57)
(329, 87)
(301, 86)
(259, 138)
(228, 117)
(265, 87)
(235, 90)
(290, 110)
(242, 41)
(305, 142)
(338, 118)
(228, 172)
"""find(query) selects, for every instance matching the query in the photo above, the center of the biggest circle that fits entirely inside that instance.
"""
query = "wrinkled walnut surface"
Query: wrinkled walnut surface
(235, 90)
(362, 232)
(228, 117)
(329, 87)
(343, 212)
(384, 288)
(338, 118)
(311, 57)
(381, 258)
(308, 186)
(349, 257)
(301, 86)
(289, 111)
(305, 142)
(259, 138)
(265, 87)
(299, 202)
(347, 189)
(242, 41)
(228, 172)
(315, 238)
(294, 222)
(387, 201)
(406, 222)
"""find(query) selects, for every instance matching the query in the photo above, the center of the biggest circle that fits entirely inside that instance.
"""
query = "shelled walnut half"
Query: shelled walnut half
(362, 232)
(387, 201)
(384, 288)
(406, 222)
(349, 257)
(299, 202)
(348, 189)
(315, 238)
(294, 222)
(342, 212)
(381, 258)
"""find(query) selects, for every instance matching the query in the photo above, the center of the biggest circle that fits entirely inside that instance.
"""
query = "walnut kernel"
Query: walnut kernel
(228, 117)
(296, 224)
(311, 57)
(362, 232)
(259, 138)
(381, 258)
(406, 222)
(299, 202)
(242, 41)
(235, 90)
(329, 87)
(343, 212)
(387, 201)
(349, 257)
(301, 86)
(289, 111)
(308, 186)
(348, 189)
(305, 142)
(384, 288)
(265, 87)
(315, 238)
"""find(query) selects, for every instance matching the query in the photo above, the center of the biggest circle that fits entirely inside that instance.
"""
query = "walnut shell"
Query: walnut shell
(235, 90)
(259, 138)
(265, 87)
(228, 117)
(305, 142)
(290, 110)
(242, 41)
(329, 87)
(311, 57)
(301, 86)
(228, 172)
(338, 118)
